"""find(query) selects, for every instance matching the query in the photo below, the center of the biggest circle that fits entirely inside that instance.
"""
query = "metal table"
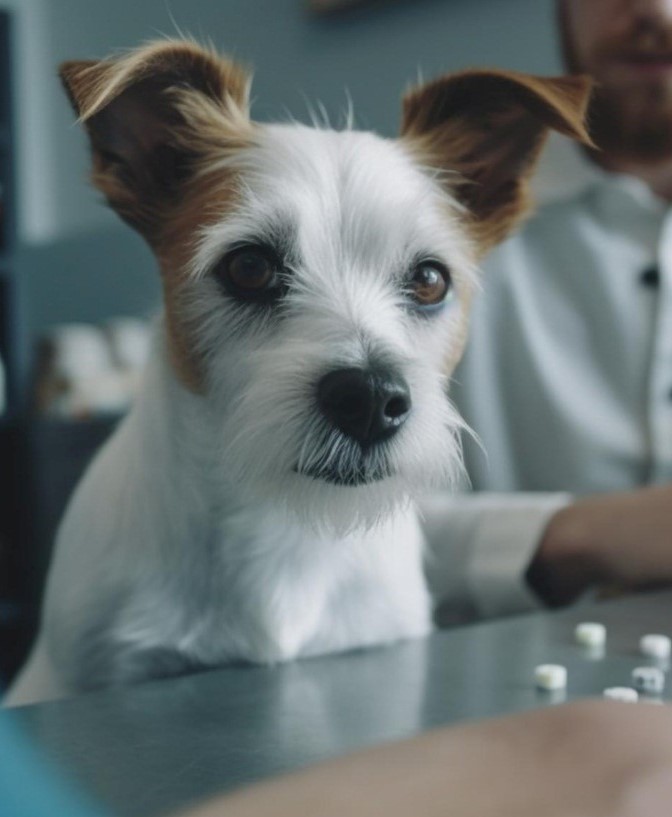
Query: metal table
(150, 749)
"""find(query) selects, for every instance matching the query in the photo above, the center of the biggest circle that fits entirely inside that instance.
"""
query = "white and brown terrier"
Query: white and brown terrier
(257, 502)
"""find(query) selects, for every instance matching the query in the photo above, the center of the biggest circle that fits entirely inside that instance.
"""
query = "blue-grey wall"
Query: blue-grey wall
(78, 263)
(297, 56)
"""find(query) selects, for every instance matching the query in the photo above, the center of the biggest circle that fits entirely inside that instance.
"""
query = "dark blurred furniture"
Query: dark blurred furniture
(13, 623)
(57, 452)
(46, 459)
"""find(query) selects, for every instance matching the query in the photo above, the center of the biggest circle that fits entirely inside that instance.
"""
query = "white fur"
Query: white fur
(192, 541)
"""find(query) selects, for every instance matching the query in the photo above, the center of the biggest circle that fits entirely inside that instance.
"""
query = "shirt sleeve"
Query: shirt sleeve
(478, 549)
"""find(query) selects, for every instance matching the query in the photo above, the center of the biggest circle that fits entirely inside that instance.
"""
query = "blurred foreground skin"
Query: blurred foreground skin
(590, 759)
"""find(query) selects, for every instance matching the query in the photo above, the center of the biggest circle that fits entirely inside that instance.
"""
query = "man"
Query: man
(567, 379)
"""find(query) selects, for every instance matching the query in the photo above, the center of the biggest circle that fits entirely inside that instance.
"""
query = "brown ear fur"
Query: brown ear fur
(488, 127)
(152, 116)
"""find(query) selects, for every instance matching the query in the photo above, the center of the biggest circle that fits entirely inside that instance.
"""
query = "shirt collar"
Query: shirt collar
(564, 172)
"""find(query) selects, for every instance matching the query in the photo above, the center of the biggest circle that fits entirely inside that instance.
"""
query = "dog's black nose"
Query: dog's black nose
(369, 405)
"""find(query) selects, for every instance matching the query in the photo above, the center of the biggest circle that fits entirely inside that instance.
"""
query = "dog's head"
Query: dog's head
(317, 283)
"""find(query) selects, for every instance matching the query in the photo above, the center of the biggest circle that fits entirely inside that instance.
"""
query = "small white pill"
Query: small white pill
(621, 694)
(550, 676)
(655, 646)
(650, 680)
(590, 634)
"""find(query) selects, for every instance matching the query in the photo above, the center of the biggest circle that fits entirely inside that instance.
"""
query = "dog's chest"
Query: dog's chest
(280, 590)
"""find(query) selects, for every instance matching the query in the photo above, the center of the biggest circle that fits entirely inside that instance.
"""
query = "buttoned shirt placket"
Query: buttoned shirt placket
(660, 405)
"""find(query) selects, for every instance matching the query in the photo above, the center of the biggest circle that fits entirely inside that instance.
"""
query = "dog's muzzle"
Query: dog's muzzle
(366, 407)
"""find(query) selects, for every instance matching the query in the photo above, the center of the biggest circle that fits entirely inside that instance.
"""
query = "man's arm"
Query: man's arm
(496, 554)
(622, 539)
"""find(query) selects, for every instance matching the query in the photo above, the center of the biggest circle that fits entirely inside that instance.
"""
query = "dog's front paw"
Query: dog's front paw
(278, 646)
(124, 664)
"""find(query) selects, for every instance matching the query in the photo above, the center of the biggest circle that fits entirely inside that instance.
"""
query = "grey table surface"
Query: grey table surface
(150, 749)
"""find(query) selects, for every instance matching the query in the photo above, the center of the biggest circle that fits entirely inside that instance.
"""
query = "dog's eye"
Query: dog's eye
(251, 268)
(430, 283)
(251, 273)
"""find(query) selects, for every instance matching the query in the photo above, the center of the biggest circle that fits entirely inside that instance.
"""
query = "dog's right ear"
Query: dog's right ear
(484, 131)
(153, 117)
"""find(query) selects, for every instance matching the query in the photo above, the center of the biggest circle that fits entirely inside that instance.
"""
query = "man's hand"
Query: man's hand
(593, 758)
(622, 539)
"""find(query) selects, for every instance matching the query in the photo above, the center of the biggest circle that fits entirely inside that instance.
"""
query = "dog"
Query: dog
(258, 503)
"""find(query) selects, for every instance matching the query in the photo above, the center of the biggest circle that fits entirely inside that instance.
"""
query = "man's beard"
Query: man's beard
(637, 129)
(633, 123)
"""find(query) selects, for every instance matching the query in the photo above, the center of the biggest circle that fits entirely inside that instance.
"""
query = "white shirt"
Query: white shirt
(567, 376)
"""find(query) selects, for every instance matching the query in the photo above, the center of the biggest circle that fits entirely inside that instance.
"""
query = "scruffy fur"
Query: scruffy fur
(204, 533)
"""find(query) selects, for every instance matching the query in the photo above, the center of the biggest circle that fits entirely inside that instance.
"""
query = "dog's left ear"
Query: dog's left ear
(487, 128)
